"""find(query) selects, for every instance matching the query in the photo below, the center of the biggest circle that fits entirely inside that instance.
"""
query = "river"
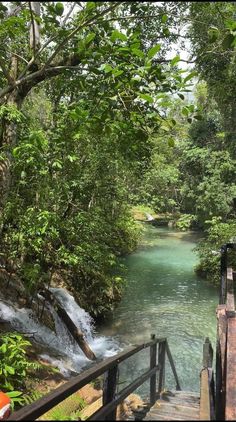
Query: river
(165, 297)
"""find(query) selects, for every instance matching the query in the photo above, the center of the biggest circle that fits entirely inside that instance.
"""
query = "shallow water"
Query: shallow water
(165, 297)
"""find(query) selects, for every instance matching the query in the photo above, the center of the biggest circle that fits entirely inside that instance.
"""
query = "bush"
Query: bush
(209, 249)
(14, 365)
(185, 221)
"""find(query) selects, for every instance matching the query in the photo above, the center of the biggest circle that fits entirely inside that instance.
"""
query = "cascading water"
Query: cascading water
(62, 350)
(79, 316)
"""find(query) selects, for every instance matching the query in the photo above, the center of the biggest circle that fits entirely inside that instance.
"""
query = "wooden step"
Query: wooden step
(175, 405)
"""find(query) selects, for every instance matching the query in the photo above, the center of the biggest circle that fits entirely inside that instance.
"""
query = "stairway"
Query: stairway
(176, 406)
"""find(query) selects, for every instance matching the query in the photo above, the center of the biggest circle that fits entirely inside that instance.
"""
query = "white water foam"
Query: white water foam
(100, 345)
(62, 349)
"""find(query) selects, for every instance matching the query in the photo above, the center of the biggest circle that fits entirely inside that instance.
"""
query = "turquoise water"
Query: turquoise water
(165, 297)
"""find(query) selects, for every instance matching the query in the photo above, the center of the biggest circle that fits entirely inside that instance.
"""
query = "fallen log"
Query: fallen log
(72, 328)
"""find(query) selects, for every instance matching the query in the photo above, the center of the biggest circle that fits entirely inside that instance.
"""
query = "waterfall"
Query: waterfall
(79, 316)
(60, 347)
(149, 217)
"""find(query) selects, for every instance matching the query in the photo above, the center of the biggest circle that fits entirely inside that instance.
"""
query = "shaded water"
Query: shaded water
(165, 297)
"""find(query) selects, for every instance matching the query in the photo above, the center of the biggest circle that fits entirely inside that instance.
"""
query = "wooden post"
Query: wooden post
(221, 347)
(161, 363)
(153, 379)
(223, 274)
(207, 354)
(109, 390)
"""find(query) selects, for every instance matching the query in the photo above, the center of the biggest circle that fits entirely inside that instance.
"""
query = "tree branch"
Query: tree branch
(89, 21)
(32, 60)
(68, 14)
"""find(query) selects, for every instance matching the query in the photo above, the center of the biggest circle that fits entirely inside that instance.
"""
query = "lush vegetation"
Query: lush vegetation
(17, 370)
(100, 122)
(96, 118)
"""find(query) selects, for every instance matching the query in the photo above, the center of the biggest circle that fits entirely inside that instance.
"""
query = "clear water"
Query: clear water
(165, 297)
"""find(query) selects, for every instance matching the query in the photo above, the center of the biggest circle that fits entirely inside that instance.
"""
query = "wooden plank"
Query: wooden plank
(166, 408)
(170, 358)
(204, 396)
(41, 406)
(230, 411)
(92, 408)
(178, 401)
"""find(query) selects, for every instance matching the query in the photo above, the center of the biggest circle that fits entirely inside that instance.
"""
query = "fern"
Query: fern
(31, 397)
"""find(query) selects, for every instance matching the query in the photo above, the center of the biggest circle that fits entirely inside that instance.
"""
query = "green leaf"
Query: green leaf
(117, 35)
(13, 394)
(185, 111)
(171, 142)
(166, 32)
(190, 76)
(117, 72)
(9, 369)
(137, 52)
(181, 96)
(153, 51)
(107, 68)
(57, 164)
(90, 5)
(228, 41)
(3, 348)
(213, 34)
(198, 116)
(90, 37)
(164, 18)
(191, 108)
(175, 60)
(146, 97)
(59, 9)
(72, 158)
(189, 120)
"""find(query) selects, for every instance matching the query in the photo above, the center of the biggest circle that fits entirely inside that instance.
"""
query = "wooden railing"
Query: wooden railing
(110, 368)
(207, 389)
(223, 271)
(226, 341)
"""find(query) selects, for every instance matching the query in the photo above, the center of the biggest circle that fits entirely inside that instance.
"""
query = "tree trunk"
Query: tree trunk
(75, 332)
(73, 329)
(8, 141)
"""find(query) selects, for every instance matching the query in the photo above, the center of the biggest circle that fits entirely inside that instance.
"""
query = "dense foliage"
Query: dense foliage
(80, 106)
(95, 118)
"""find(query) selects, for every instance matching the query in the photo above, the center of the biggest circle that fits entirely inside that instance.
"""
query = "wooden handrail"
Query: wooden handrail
(103, 411)
(110, 398)
(170, 358)
(225, 314)
(207, 395)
